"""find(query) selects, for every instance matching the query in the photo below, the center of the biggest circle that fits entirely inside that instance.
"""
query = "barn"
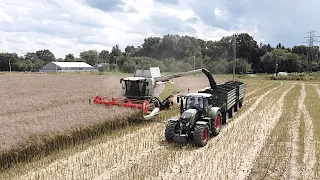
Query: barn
(67, 67)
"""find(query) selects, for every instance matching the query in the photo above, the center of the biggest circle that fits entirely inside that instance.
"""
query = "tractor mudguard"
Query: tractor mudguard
(213, 112)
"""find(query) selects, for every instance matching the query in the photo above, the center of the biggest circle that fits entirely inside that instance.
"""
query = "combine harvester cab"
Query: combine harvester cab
(146, 90)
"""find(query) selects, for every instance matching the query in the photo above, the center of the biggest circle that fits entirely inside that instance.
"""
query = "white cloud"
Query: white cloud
(5, 17)
(72, 26)
(221, 13)
(65, 15)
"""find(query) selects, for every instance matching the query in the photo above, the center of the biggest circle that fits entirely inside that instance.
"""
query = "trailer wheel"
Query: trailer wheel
(236, 107)
(225, 118)
(216, 124)
(231, 112)
(241, 103)
(201, 135)
(170, 131)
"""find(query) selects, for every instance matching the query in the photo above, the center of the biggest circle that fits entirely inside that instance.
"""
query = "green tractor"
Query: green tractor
(204, 112)
(198, 119)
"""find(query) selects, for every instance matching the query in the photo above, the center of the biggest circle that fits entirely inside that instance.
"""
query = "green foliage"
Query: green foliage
(104, 56)
(91, 57)
(103, 68)
(287, 61)
(46, 56)
(70, 58)
(175, 53)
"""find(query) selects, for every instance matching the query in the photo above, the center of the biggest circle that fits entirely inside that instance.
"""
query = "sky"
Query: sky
(73, 26)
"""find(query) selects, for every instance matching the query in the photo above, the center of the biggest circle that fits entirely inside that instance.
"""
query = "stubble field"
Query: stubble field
(275, 135)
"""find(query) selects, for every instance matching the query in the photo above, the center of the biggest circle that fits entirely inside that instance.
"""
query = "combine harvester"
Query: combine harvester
(147, 90)
(204, 112)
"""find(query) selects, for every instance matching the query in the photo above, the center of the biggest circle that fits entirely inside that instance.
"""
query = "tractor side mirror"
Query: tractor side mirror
(178, 100)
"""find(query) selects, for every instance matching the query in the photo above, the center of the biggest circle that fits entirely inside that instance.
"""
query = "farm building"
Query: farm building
(67, 67)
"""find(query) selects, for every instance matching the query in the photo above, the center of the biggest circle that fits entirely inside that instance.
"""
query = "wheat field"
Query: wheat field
(275, 135)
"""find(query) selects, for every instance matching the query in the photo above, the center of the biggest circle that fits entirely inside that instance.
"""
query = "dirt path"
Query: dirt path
(309, 157)
(143, 152)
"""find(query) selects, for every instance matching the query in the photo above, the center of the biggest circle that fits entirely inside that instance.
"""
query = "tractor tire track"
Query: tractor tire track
(317, 89)
(254, 91)
(309, 157)
(294, 166)
(270, 121)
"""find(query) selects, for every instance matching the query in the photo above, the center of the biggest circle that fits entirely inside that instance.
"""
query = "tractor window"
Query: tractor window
(205, 102)
(195, 102)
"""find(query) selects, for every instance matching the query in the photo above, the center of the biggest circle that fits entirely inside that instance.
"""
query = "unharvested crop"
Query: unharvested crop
(38, 109)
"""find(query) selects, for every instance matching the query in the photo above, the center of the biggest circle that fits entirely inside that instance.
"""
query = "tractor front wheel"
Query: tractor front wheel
(170, 131)
(201, 135)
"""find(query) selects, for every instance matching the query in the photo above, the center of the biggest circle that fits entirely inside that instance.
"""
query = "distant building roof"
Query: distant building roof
(72, 64)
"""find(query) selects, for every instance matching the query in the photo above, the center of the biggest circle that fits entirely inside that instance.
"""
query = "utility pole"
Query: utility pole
(234, 55)
(10, 64)
(117, 64)
(194, 62)
(311, 39)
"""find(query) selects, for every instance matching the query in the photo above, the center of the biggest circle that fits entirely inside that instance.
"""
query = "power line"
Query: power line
(311, 39)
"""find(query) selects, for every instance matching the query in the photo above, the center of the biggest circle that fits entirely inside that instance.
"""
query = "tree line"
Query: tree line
(175, 53)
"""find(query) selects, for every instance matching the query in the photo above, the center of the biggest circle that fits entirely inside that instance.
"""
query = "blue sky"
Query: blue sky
(72, 26)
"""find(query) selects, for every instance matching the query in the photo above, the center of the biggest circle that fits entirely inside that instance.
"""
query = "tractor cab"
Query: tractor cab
(201, 102)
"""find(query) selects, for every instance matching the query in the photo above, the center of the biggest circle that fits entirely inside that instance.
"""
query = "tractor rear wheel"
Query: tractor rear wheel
(170, 131)
(201, 135)
(216, 124)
